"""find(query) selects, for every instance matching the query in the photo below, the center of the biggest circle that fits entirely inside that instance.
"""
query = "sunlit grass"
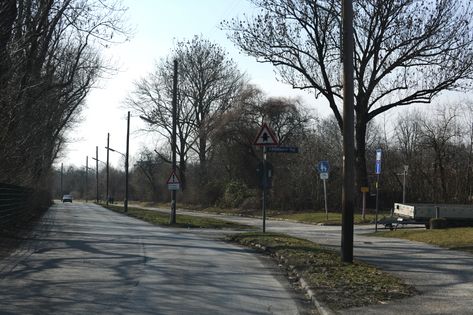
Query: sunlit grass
(321, 217)
(183, 221)
(452, 238)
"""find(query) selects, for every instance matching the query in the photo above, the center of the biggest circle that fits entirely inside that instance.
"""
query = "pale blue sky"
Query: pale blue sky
(158, 24)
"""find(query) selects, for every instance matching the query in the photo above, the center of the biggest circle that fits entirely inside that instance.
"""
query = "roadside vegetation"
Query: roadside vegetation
(183, 221)
(452, 238)
(334, 283)
(334, 218)
(318, 217)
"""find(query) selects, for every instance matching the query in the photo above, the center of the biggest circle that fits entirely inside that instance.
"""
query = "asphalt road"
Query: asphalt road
(443, 277)
(88, 260)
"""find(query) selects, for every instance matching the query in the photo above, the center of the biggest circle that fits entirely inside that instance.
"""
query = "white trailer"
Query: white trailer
(424, 212)
(421, 213)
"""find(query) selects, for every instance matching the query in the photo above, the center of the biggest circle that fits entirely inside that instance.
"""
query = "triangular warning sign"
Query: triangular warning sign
(265, 136)
(173, 179)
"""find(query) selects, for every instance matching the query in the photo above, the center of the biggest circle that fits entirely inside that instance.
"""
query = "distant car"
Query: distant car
(67, 198)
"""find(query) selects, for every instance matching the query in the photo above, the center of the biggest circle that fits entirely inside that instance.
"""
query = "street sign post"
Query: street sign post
(173, 182)
(282, 149)
(323, 168)
(378, 161)
(265, 138)
(378, 172)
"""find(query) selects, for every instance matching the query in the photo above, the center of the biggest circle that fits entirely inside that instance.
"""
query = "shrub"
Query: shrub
(235, 193)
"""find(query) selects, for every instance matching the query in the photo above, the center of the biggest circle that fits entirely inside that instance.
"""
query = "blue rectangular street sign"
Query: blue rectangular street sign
(323, 167)
(283, 149)
(378, 162)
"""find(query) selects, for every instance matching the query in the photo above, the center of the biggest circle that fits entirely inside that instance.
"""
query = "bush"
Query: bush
(251, 203)
(234, 195)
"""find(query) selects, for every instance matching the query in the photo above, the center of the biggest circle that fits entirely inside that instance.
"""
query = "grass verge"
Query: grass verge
(320, 217)
(339, 285)
(452, 238)
(182, 221)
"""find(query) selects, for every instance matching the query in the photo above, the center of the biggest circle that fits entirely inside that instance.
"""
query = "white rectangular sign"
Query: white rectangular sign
(323, 175)
(173, 186)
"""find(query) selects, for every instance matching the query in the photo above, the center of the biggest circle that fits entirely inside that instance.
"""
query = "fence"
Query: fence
(16, 204)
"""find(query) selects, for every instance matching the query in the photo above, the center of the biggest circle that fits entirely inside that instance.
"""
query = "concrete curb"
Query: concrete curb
(321, 308)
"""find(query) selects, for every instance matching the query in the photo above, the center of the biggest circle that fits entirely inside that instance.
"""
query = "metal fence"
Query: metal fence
(15, 204)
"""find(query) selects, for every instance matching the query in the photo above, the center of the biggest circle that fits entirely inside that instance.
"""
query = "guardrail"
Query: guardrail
(15, 204)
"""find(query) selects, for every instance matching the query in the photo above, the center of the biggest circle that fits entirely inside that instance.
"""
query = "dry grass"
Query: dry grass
(452, 238)
(339, 285)
(183, 221)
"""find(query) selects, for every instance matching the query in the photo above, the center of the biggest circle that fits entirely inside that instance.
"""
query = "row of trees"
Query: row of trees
(406, 52)
(436, 147)
(49, 60)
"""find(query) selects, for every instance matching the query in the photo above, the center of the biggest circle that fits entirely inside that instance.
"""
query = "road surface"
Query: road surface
(443, 277)
(89, 260)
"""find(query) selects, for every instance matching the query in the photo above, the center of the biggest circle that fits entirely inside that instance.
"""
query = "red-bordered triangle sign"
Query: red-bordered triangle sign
(173, 179)
(265, 136)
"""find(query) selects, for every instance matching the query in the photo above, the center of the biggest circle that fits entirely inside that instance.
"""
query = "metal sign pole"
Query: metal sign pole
(265, 182)
(404, 184)
(325, 199)
(377, 204)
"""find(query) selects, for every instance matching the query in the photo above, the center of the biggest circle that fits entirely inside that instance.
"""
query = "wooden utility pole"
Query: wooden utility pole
(62, 171)
(172, 218)
(348, 190)
(127, 153)
(86, 176)
(108, 170)
(97, 173)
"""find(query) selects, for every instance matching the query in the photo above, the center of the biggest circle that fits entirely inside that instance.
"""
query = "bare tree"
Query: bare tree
(52, 61)
(405, 52)
(208, 83)
(439, 134)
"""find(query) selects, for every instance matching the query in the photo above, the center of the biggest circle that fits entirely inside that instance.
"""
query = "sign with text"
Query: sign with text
(378, 162)
(283, 149)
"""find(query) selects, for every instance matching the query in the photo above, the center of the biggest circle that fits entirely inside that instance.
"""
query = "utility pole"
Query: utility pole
(97, 172)
(62, 171)
(348, 190)
(172, 218)
(125, 203)
(86, 176)
(108, 170)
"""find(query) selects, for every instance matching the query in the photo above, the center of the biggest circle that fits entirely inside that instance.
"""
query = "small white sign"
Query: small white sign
(323, 176)
(173, 186)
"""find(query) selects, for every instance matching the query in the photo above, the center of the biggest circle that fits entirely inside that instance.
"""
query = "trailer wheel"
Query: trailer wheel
(389, 226)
